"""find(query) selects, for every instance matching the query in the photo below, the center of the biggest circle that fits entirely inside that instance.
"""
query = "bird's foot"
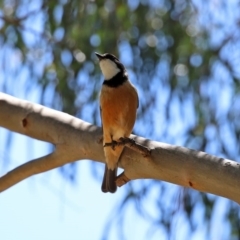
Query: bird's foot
(112, 144)
(125, 140)
(130, 143)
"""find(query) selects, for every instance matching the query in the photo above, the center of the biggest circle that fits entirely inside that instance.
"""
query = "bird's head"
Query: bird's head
(110, 65)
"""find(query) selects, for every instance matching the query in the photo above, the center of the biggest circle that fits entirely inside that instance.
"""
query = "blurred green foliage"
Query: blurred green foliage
(183, 56)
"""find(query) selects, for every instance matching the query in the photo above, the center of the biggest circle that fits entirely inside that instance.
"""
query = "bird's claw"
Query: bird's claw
(114, 144)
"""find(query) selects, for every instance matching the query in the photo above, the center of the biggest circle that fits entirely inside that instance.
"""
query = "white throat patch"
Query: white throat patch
(109, 68)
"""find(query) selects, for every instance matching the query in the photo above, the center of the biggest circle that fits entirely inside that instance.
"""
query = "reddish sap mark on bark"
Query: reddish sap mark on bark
(190, 184)
(24, 122)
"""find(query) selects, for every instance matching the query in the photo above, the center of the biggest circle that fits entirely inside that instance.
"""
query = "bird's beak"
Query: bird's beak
(99, 56)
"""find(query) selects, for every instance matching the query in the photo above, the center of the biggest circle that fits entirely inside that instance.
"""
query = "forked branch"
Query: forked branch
(75, 139)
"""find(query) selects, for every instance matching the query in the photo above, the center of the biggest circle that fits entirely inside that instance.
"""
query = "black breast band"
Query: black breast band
(116, 81)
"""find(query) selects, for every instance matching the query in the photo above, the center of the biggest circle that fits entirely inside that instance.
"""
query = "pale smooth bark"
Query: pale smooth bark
(75, 139)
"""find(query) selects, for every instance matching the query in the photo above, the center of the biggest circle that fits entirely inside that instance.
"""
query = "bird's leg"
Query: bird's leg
(130, 143)
(112, 144)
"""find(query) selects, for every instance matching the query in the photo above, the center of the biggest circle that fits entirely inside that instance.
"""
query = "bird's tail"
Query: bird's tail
(109, 178)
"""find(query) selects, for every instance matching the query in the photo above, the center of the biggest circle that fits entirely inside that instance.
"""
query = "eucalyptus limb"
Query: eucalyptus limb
(75, 140)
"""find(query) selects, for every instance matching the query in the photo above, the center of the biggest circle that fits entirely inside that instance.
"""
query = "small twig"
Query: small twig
(122, 179)
(130, 143)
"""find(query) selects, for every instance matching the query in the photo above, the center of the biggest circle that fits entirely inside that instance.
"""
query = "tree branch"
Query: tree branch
(130, 143)
(75, 140)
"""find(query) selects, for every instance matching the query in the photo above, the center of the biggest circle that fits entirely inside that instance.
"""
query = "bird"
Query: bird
(118, 107)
